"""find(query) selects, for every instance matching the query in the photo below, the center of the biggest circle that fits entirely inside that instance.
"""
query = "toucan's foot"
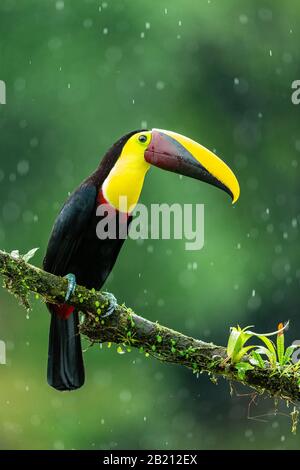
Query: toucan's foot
(112, 303)
(71, 285)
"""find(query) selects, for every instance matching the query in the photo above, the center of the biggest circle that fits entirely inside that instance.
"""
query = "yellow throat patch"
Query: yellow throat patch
(123, 185)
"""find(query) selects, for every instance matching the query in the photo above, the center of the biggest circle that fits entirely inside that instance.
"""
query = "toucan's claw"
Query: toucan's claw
(112, 303)
(71, 285)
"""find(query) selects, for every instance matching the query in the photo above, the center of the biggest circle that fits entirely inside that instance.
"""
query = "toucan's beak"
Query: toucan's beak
(174, 152)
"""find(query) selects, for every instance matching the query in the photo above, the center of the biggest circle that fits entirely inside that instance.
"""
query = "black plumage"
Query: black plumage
(74, 248)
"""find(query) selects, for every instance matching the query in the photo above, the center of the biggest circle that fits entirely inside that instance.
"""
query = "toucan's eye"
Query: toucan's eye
(143, 138)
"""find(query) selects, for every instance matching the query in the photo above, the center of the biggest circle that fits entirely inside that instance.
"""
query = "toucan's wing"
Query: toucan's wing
(68, 228)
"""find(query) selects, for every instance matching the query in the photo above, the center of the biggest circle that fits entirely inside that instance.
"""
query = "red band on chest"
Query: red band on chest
(123, 216)
(101, 199)
(64, 310)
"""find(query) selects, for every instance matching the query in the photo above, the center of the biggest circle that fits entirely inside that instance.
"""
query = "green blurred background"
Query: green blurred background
(79, 75)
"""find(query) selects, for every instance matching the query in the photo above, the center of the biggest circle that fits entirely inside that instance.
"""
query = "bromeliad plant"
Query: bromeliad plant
(236, 349)
(276, 355)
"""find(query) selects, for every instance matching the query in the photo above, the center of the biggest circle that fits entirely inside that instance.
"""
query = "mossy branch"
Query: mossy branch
(130, 330)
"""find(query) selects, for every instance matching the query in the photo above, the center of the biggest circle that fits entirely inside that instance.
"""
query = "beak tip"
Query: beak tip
(235, 197)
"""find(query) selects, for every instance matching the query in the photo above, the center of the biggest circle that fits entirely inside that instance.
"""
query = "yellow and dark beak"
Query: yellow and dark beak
(174, 152)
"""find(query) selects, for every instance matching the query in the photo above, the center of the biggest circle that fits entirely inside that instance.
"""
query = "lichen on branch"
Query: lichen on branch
(130, 330)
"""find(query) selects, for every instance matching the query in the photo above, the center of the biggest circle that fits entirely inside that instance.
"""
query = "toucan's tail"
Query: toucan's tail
(65, 363)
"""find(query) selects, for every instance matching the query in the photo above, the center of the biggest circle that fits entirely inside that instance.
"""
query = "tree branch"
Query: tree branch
(126, 328)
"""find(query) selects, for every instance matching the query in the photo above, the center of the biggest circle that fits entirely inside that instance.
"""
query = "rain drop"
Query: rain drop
(160, 85)
(60, 5)
(243, 19)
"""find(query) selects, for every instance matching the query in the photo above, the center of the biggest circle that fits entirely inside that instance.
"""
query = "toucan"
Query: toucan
(74, 249)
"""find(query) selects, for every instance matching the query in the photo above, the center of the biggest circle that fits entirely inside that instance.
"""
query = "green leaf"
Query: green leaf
(237, 338)
(269, 344)
(257, 359)
(270, 355)
(242, 352)
(273, 333)
(280, 348)
(233, 337)
(234, 341)
(245, 335)
(242, 368)
(245, 329)
(288, 353)
(30, 254)
(239, 350)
